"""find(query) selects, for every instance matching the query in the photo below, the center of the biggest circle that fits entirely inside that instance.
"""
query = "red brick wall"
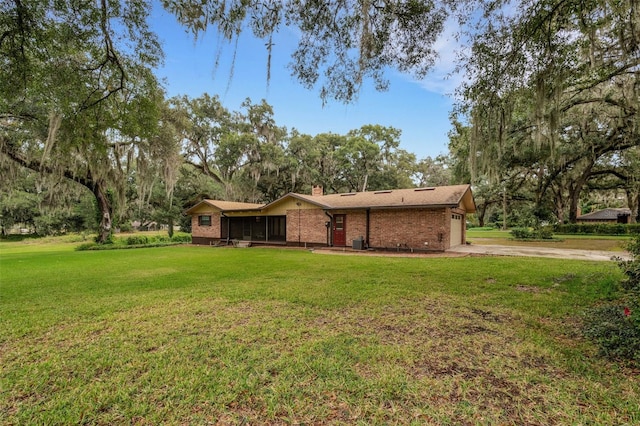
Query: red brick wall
(410, 228)
(212, 231)
(312, 226)
(355, 223)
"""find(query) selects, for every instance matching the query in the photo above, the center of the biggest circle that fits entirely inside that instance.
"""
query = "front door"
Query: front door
(339, 230)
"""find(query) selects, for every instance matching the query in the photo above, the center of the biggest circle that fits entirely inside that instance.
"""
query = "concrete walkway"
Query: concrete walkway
(492, 250)
(487, 250)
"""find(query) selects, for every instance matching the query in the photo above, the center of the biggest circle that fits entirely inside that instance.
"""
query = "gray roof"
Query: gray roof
(226, 206)
(430, 197)
(605, 214)
(440, 196)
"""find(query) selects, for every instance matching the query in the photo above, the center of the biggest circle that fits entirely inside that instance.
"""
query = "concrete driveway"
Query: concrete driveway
(492, 250)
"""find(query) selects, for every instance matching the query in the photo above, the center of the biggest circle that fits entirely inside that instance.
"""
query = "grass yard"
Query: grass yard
(581, 242)
(195, 335)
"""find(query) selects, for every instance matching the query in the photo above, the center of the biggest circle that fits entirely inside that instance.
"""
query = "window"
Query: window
(204, 220)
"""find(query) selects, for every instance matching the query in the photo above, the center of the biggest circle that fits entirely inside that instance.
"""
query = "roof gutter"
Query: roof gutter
(257, 209)
(329, 228)
(416, 206)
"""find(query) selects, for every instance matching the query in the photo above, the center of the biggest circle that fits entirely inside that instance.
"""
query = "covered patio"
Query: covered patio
(257, 229)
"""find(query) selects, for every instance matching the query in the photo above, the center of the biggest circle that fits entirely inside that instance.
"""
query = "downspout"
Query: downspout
(329, 230)
(298, 204)
(228, 226)
(366, 241)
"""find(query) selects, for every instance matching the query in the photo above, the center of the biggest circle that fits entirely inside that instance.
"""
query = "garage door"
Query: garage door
(456, 229)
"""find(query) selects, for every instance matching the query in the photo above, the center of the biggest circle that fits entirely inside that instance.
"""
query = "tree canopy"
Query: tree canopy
(552, 101)
(78, 93)
(340, 42)
(549, 110)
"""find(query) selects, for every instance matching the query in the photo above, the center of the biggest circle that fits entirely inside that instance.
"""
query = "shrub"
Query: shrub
(182, 238)
(598, 228)
(126, 227)
(162, 239)
(86, 246)
(545, 233)
(135, 240)
(615, 327)
(522, 233)
(18, 237)
(542, 233)
(631, 268)
(616, 330)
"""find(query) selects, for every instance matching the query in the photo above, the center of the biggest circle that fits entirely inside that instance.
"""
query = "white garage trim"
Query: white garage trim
(456, 229)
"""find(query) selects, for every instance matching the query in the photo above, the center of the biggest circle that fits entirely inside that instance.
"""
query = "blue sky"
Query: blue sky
(419, 109)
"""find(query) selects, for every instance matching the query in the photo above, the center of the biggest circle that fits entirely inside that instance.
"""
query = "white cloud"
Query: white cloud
(443, 78)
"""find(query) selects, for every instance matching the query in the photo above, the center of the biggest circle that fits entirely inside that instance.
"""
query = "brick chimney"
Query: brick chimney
(317, 191)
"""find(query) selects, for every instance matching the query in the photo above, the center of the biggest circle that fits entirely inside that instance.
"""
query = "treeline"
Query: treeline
(547, 126)
(546, 123)
(199, 149)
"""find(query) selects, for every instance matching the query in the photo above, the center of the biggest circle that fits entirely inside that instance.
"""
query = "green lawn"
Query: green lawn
(584, 242)
(190, 335)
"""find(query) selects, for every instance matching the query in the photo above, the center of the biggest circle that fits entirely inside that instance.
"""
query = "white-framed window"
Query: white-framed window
(204, 220)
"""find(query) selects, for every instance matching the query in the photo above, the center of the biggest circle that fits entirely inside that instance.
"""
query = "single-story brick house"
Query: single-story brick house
(419, 219)
(610, 215)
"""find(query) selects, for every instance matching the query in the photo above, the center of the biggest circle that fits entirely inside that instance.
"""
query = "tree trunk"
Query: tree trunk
(480, 218)
(633, 201)
(559, 206)
(574, 196)
(170, 220)
(481, 210)
(504, 210)
(104, 207)
(574, 199)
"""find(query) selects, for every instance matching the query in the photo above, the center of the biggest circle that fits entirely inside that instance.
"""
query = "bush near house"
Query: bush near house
(598, 228)
(615, 326)
(138, 241)
(542, 233)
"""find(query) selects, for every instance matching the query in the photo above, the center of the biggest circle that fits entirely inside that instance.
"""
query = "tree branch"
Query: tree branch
(9, 150)
(111, 56)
